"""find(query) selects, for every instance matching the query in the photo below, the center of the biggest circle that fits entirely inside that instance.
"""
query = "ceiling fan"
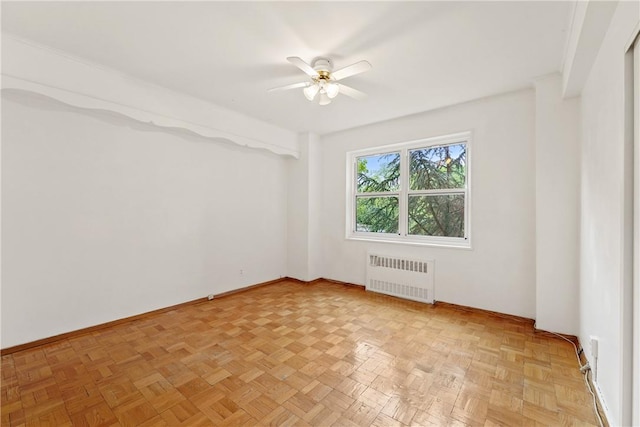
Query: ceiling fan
(324, 82)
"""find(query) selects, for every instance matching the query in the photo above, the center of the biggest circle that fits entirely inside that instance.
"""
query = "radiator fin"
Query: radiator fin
(399, 264)
(401, 277)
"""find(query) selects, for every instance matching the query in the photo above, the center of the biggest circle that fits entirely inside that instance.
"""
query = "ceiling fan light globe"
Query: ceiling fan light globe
(332, 90)
(324, 99)
(311, 91)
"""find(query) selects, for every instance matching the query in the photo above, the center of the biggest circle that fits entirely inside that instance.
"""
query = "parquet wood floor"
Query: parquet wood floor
(294, 354)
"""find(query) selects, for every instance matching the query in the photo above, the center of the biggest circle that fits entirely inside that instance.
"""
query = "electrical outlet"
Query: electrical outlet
(593, 341)
(241, 272)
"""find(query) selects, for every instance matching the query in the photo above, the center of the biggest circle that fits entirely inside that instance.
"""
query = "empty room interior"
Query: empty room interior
(320, 213)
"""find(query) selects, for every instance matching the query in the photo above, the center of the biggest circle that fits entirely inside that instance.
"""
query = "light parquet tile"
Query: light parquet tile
(293, 354)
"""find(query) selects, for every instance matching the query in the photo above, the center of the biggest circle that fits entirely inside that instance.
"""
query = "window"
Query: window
(415, 192)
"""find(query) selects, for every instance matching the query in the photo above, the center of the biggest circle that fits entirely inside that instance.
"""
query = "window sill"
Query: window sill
(445, 244)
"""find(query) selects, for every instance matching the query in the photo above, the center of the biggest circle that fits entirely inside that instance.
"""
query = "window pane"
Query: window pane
(380, 172)
(377, 214)
(441, 215)
(438, 167)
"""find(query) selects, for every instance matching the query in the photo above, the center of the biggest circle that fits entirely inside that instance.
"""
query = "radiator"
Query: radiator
(401, 277)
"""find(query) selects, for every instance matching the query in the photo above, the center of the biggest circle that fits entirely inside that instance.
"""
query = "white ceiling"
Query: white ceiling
(425, 55)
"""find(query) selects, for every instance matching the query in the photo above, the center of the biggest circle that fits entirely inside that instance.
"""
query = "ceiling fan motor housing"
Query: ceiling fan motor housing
(322, 64)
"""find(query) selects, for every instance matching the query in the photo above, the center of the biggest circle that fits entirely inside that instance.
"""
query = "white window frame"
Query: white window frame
(403, 194)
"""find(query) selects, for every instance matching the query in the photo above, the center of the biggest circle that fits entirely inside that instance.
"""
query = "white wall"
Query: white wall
(303, 211)
(304, 256)
(557, 207)
(498, 273)
(602, 294)
(104, 217)
(314, 195)
(298, 212)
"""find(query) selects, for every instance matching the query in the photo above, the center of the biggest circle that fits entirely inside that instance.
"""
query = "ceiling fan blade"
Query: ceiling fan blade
(291, 86)
(308, 69)
(351, 92)
(351, 70)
